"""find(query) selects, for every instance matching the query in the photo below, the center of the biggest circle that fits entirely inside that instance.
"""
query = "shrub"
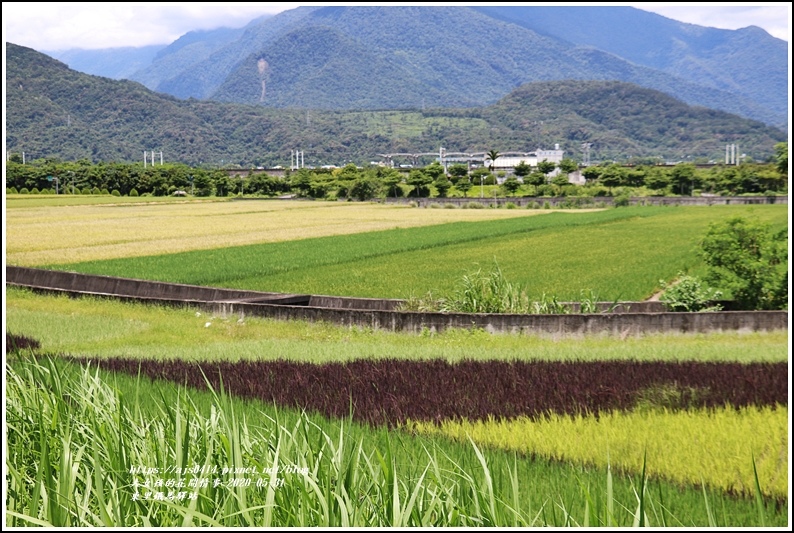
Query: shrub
(34, 190)
(621, 201)
(133, 192)
(96, 190)
(24, 190)
(435, 205)
(746, 258)
(689, 294)
(115, 193)
(12, 190)
(510, 205)
(86, 190)
(473, 205)
(450, 206)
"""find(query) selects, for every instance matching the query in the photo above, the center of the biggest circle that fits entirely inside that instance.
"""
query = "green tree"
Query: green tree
(745, 257)
(442, 185)
(656, 179)
(536, 178)
(568, 165)
(434, 170)
(511, 185)
(420, 183)
(301, 182)
(560, 180)
(457, 172)
(591, 174)
(612, 176)
(491, 156)
(781, 157)
(546, 166)
(682, 177)
(392, 179)
(202, 184)
(464, 185)
(365, 188)
(223, 184)
(522, 169)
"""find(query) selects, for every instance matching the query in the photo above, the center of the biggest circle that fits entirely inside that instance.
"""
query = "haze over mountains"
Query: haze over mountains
(411, 57)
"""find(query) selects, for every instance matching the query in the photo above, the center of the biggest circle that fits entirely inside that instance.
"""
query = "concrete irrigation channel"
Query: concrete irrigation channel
(628, 318)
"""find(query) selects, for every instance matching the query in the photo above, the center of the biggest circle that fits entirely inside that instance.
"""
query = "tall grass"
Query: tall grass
(77, 447)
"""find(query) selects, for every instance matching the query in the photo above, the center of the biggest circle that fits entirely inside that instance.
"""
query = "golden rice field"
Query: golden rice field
(689, 446)
(50, 234)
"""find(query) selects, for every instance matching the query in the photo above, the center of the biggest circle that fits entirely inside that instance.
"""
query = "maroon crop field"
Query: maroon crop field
(390, 391)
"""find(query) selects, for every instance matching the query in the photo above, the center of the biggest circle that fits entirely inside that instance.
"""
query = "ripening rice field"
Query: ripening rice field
(134, 415)
(39, 235)
(621, 254)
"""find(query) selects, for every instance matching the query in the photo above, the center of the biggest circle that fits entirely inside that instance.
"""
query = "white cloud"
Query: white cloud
(59, 26)
(54, 26)
(774, 18)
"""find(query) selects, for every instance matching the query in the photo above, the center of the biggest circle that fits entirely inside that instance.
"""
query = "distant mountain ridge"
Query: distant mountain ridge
(55, 112)
(440, 56)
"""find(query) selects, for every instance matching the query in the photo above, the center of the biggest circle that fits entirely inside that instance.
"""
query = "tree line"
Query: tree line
(434, 180)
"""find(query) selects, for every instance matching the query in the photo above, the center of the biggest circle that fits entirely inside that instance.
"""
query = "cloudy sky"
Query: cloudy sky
(51, 26)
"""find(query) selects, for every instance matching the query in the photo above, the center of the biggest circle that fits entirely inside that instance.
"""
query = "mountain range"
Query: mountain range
(53, 111)
(414, 57)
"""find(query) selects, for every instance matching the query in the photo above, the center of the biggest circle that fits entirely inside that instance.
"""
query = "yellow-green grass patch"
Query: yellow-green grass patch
(690, 447)
(59, 234)
(108, 328)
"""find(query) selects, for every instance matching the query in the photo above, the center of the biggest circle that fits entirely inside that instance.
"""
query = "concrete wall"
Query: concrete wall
(380, 314)
(72, 281)
(573, 324)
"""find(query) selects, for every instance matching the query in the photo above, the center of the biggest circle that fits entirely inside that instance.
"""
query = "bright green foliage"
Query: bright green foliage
(688, 294)
(749, 260)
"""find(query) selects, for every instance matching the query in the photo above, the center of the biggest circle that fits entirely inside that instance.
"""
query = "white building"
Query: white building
(511, 159)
